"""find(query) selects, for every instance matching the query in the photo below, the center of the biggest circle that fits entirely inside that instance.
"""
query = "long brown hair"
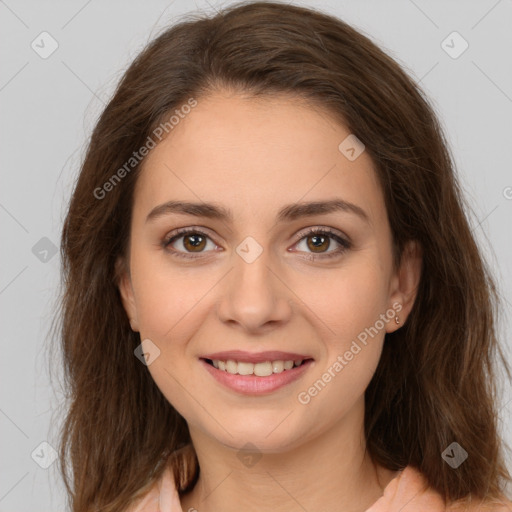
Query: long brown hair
(436, 380)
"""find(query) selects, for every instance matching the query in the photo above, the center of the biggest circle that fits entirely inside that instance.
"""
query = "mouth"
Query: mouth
(259, 369)
(256, 374)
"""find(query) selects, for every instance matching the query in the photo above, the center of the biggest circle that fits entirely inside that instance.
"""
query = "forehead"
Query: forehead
(256, 155)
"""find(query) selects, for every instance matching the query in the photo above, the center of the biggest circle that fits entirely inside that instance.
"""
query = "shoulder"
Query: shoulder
(162, 497)
(504, 505)
(410, 492)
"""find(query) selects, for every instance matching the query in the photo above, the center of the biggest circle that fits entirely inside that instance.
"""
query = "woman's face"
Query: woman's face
(254, 282)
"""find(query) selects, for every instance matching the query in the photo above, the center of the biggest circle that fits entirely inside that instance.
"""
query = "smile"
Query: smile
(263, 369)
(256, 378)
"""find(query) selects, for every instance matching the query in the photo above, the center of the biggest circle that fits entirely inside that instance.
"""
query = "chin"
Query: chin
(264, 433)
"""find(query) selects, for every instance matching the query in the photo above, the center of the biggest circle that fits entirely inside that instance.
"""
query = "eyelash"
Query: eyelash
(345, 244)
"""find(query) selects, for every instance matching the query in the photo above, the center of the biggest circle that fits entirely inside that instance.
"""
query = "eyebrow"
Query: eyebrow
(287, 213)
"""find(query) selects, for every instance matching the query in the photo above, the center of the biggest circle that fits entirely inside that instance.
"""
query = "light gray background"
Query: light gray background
(49, 107)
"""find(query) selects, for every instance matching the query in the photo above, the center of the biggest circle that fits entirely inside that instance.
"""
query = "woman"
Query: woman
(273, 299)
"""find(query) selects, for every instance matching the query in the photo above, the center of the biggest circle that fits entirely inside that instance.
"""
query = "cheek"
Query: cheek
(167, 298)
(349, 305)
(348, 301)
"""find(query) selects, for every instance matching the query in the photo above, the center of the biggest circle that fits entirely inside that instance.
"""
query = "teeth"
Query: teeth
(263, 369)
(245, 368)
(231, 367)
(259, 369)
(277, 366)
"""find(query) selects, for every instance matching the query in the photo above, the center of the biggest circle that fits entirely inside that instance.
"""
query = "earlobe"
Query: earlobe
(406, 283)
(126, 291)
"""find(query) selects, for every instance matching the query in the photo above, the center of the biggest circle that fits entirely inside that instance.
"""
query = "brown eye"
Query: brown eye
(188, 242)
(318, 243)
(194, 242)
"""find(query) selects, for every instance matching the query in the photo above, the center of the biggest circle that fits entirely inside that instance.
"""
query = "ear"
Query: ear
(124, 284)
(405, 282)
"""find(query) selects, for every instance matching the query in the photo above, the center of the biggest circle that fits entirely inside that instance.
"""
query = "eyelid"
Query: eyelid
(339, 237)
(180, 233)
(321, 229)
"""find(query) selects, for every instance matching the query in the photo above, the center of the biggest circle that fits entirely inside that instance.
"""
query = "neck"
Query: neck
(330, 471)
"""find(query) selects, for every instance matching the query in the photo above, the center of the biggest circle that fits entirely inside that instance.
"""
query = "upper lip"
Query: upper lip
(255, 357)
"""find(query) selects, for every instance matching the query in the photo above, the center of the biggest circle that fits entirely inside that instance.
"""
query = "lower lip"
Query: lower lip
(254, 385)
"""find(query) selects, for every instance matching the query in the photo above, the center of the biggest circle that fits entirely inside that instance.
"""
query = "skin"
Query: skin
(253, 157)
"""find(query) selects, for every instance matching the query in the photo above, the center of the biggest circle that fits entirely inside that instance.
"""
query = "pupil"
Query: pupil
(193, 241)
(318, 241)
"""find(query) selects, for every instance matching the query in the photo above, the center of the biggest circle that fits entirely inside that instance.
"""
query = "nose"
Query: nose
(254, 296)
